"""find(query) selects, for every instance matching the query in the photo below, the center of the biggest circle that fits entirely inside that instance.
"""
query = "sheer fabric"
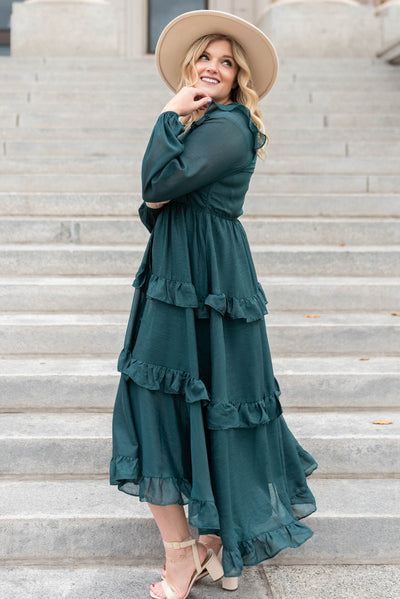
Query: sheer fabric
(197, 418)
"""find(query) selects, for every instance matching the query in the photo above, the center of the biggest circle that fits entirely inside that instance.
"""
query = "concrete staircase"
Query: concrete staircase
(322, 217)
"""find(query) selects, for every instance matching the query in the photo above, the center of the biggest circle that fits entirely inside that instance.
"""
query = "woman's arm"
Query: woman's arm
(217, 147)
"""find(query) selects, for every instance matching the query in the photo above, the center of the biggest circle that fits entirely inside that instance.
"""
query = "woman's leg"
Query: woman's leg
(173, 526)
(171, 522)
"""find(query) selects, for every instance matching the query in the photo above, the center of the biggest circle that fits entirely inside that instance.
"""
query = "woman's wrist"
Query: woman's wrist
(170, 107)
(156, 205)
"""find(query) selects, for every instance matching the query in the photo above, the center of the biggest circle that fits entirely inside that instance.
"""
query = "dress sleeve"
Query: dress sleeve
(213, 149)
(148, 216)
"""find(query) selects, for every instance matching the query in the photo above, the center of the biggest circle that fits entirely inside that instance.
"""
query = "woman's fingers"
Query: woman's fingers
(203, 103)
(187, 100)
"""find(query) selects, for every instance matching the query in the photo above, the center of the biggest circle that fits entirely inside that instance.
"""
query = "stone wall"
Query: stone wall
(331, 28)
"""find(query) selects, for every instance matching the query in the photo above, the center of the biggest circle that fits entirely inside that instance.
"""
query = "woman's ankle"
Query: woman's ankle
(211, 542)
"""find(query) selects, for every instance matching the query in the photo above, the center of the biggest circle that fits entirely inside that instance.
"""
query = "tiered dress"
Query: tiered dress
(197, 418)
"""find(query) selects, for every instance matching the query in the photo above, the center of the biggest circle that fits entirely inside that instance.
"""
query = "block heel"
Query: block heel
(230, 584)
(214, 567)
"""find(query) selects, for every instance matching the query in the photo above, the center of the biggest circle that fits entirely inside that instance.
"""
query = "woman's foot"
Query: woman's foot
(210, 541)
(180, 568)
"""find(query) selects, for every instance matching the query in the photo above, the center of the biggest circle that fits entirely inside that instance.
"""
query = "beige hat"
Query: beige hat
(181, 32)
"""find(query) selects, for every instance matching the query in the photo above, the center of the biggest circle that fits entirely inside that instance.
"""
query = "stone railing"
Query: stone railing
(388, 13)
(333, 28)
(59, 28)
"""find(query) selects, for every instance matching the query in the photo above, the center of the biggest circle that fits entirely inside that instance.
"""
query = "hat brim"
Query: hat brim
(181, 32)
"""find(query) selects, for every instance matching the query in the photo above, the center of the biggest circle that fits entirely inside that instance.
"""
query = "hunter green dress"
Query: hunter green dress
(197, 418)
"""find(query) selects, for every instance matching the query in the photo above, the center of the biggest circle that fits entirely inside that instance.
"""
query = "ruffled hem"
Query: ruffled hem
(161, 378)
(219, 416)
(184, 295)
(224, 416)
(265, 546)
(125, 472)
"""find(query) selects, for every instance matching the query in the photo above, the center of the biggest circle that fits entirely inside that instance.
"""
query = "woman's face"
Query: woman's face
(217, 71)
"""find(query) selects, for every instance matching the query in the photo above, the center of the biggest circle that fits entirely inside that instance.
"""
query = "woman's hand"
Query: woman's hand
(155, 205)
(186, 101)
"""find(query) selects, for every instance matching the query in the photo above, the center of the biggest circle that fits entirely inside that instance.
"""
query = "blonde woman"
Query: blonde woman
(197, 418)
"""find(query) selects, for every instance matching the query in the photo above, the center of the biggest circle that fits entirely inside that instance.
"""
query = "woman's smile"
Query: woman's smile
(209, 80)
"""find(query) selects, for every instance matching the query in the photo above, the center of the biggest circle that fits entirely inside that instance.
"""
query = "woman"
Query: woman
(197, 418)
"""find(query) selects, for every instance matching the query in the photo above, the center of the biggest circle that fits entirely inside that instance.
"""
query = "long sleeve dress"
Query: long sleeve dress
(197, 417)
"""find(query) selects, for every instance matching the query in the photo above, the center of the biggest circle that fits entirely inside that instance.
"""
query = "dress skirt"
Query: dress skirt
(235, 464)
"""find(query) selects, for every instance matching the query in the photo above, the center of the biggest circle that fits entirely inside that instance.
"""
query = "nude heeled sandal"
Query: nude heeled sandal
(228, 583)
(211, 566)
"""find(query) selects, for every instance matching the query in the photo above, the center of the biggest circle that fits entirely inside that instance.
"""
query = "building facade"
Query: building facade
(130, 28)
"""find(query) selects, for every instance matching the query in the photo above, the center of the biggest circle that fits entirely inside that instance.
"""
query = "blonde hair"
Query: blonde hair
(244, 93)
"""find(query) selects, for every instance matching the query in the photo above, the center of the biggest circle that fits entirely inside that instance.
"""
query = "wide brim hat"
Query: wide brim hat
(181, 32)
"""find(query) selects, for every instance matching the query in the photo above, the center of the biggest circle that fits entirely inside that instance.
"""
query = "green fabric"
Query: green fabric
(197, 417)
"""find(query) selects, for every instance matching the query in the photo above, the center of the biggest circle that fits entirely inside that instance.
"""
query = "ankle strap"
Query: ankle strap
(189, 542)
(181, 545)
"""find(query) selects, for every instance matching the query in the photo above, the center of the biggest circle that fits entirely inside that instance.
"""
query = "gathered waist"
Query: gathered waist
(206, 209)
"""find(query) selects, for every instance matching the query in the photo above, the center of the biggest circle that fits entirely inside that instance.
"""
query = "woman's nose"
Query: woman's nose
(211, 66)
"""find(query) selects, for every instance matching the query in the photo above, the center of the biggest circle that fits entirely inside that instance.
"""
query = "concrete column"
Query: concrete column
(388, 14)
(64, 28)
(247, 9)
(321, 28)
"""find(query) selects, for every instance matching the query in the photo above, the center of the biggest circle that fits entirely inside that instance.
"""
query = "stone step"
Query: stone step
(294, 204)
(66, 384)
(140, 134)
(61, 80)
(283, 230)
(257, 204)
(323, 65)
(321, 183)
(279, 183)
(66, 444)
(339, 334)
(325, 334)
(111, 149)
(56, 522)
(327, 166)
(149, 80)
(111, 104)
(299, 100)
(259, 582)
(277, 260)
(287, 75)
(114, 294)
(76, 120)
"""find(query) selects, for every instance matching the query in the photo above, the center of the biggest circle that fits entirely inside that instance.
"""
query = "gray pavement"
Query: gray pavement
(260, 582)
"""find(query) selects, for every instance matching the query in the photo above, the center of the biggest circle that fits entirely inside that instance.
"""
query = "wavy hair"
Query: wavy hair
(244, 93)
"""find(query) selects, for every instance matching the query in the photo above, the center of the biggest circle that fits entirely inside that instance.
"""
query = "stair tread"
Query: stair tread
(325, 425)
(128, 581)
(93, 499)
(95, 366)
(85, 281)
(273, 318)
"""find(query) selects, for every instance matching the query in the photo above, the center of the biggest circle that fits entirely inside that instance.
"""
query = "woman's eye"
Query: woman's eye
(204, 56)
(228, 62)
